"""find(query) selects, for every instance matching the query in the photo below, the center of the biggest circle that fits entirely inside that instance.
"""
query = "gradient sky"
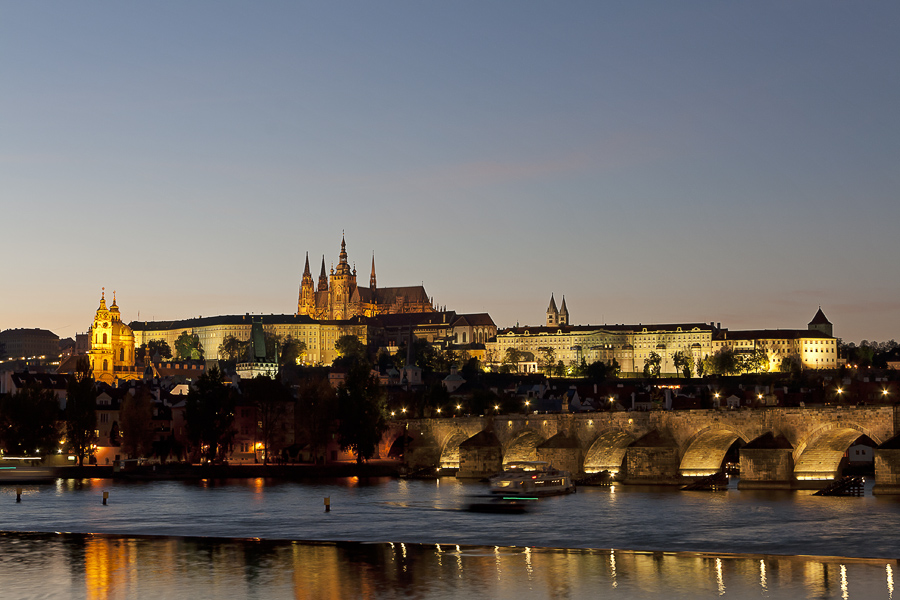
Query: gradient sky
(654, 162)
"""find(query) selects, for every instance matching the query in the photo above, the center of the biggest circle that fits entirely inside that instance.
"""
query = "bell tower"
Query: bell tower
(552, 313)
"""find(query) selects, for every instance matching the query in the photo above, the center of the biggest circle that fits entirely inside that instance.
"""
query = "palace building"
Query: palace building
(337, 297)
(630, 345)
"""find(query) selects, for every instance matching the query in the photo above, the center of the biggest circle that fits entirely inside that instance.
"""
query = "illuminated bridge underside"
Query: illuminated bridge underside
(450, 453)
(706, 453)
(820, 459)
(522, 447)
(607, 452)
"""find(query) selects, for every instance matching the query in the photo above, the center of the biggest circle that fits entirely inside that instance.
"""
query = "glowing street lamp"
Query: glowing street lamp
(439, 411)
(403, 410)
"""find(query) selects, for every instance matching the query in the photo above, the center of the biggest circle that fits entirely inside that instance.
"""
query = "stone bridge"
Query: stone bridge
(779, 447)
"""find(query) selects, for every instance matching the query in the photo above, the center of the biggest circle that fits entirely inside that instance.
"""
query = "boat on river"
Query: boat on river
(532, 478)
(25, 470)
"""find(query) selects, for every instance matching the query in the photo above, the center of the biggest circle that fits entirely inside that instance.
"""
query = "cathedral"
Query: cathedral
(338, 298)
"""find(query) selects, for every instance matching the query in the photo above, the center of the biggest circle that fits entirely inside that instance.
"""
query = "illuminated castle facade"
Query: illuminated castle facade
(112, 345)
(337, 297)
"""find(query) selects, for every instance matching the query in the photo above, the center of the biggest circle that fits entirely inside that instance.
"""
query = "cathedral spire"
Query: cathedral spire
(372, 276)
(306, 272)
(343, 250)
(323, 277)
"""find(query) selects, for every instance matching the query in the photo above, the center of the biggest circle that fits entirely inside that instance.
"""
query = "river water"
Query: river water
(396, 538)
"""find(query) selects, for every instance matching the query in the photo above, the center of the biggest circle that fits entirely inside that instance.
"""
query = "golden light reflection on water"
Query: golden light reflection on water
(110, 567)
(762, 574)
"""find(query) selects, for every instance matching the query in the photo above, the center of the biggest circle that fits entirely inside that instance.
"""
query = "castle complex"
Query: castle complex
(339, 298)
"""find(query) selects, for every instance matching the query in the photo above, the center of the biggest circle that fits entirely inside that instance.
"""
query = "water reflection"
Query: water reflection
(105, 567)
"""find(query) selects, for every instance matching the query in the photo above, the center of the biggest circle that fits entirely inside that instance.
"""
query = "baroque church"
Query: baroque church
(338, 298)
(112, 345)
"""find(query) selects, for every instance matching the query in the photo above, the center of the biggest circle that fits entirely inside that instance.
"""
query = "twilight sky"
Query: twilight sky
(654, 162)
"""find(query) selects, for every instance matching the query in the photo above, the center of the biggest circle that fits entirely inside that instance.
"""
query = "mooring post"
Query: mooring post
(327, 504)
(105, 497)
(18, 494)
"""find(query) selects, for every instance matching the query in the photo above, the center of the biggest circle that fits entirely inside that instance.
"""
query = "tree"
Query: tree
(490, 357)
(350, 349)
(152, 348)
(790, 364)
(511, 359)
(652, 365)
(291, 351)
(271, 399)
(547, 359)
(160, 347)
(560, 369)
(188, 347)
(28, 421)
(316, 413)
(683, 362)
(209, 412)
(757, 361)
(136, 418)
(360, 412)
(597, 371)
(81, 411)
(723, 362)
(231, 348)
(424, 356)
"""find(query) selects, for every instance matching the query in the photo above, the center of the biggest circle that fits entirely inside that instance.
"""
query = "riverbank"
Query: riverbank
(380, 468)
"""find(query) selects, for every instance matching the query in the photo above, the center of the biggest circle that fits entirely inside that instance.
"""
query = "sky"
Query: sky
(654, 162)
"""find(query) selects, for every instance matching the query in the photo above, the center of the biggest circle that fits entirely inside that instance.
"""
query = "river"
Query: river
(739, 543)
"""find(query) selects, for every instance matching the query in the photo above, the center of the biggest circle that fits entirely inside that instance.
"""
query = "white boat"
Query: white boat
(532, 478)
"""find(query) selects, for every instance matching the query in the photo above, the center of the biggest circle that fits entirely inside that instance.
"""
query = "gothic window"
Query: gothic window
(105, 365)
(121, 354)
(104, 338)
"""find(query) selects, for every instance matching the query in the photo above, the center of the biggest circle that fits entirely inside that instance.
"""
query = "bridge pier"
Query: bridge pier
(887, 467)
(653, 460)
(563, 452)
(767, 463)
(480, 456)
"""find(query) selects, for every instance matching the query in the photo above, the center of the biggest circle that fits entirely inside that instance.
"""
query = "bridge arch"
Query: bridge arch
(390, 436)
(522, 447)
(704, 451)
(450, 450)
(607, 451)
(819, 454)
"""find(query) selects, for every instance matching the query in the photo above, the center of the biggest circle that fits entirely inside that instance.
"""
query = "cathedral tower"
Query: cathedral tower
(552, 313)
(307, 301)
